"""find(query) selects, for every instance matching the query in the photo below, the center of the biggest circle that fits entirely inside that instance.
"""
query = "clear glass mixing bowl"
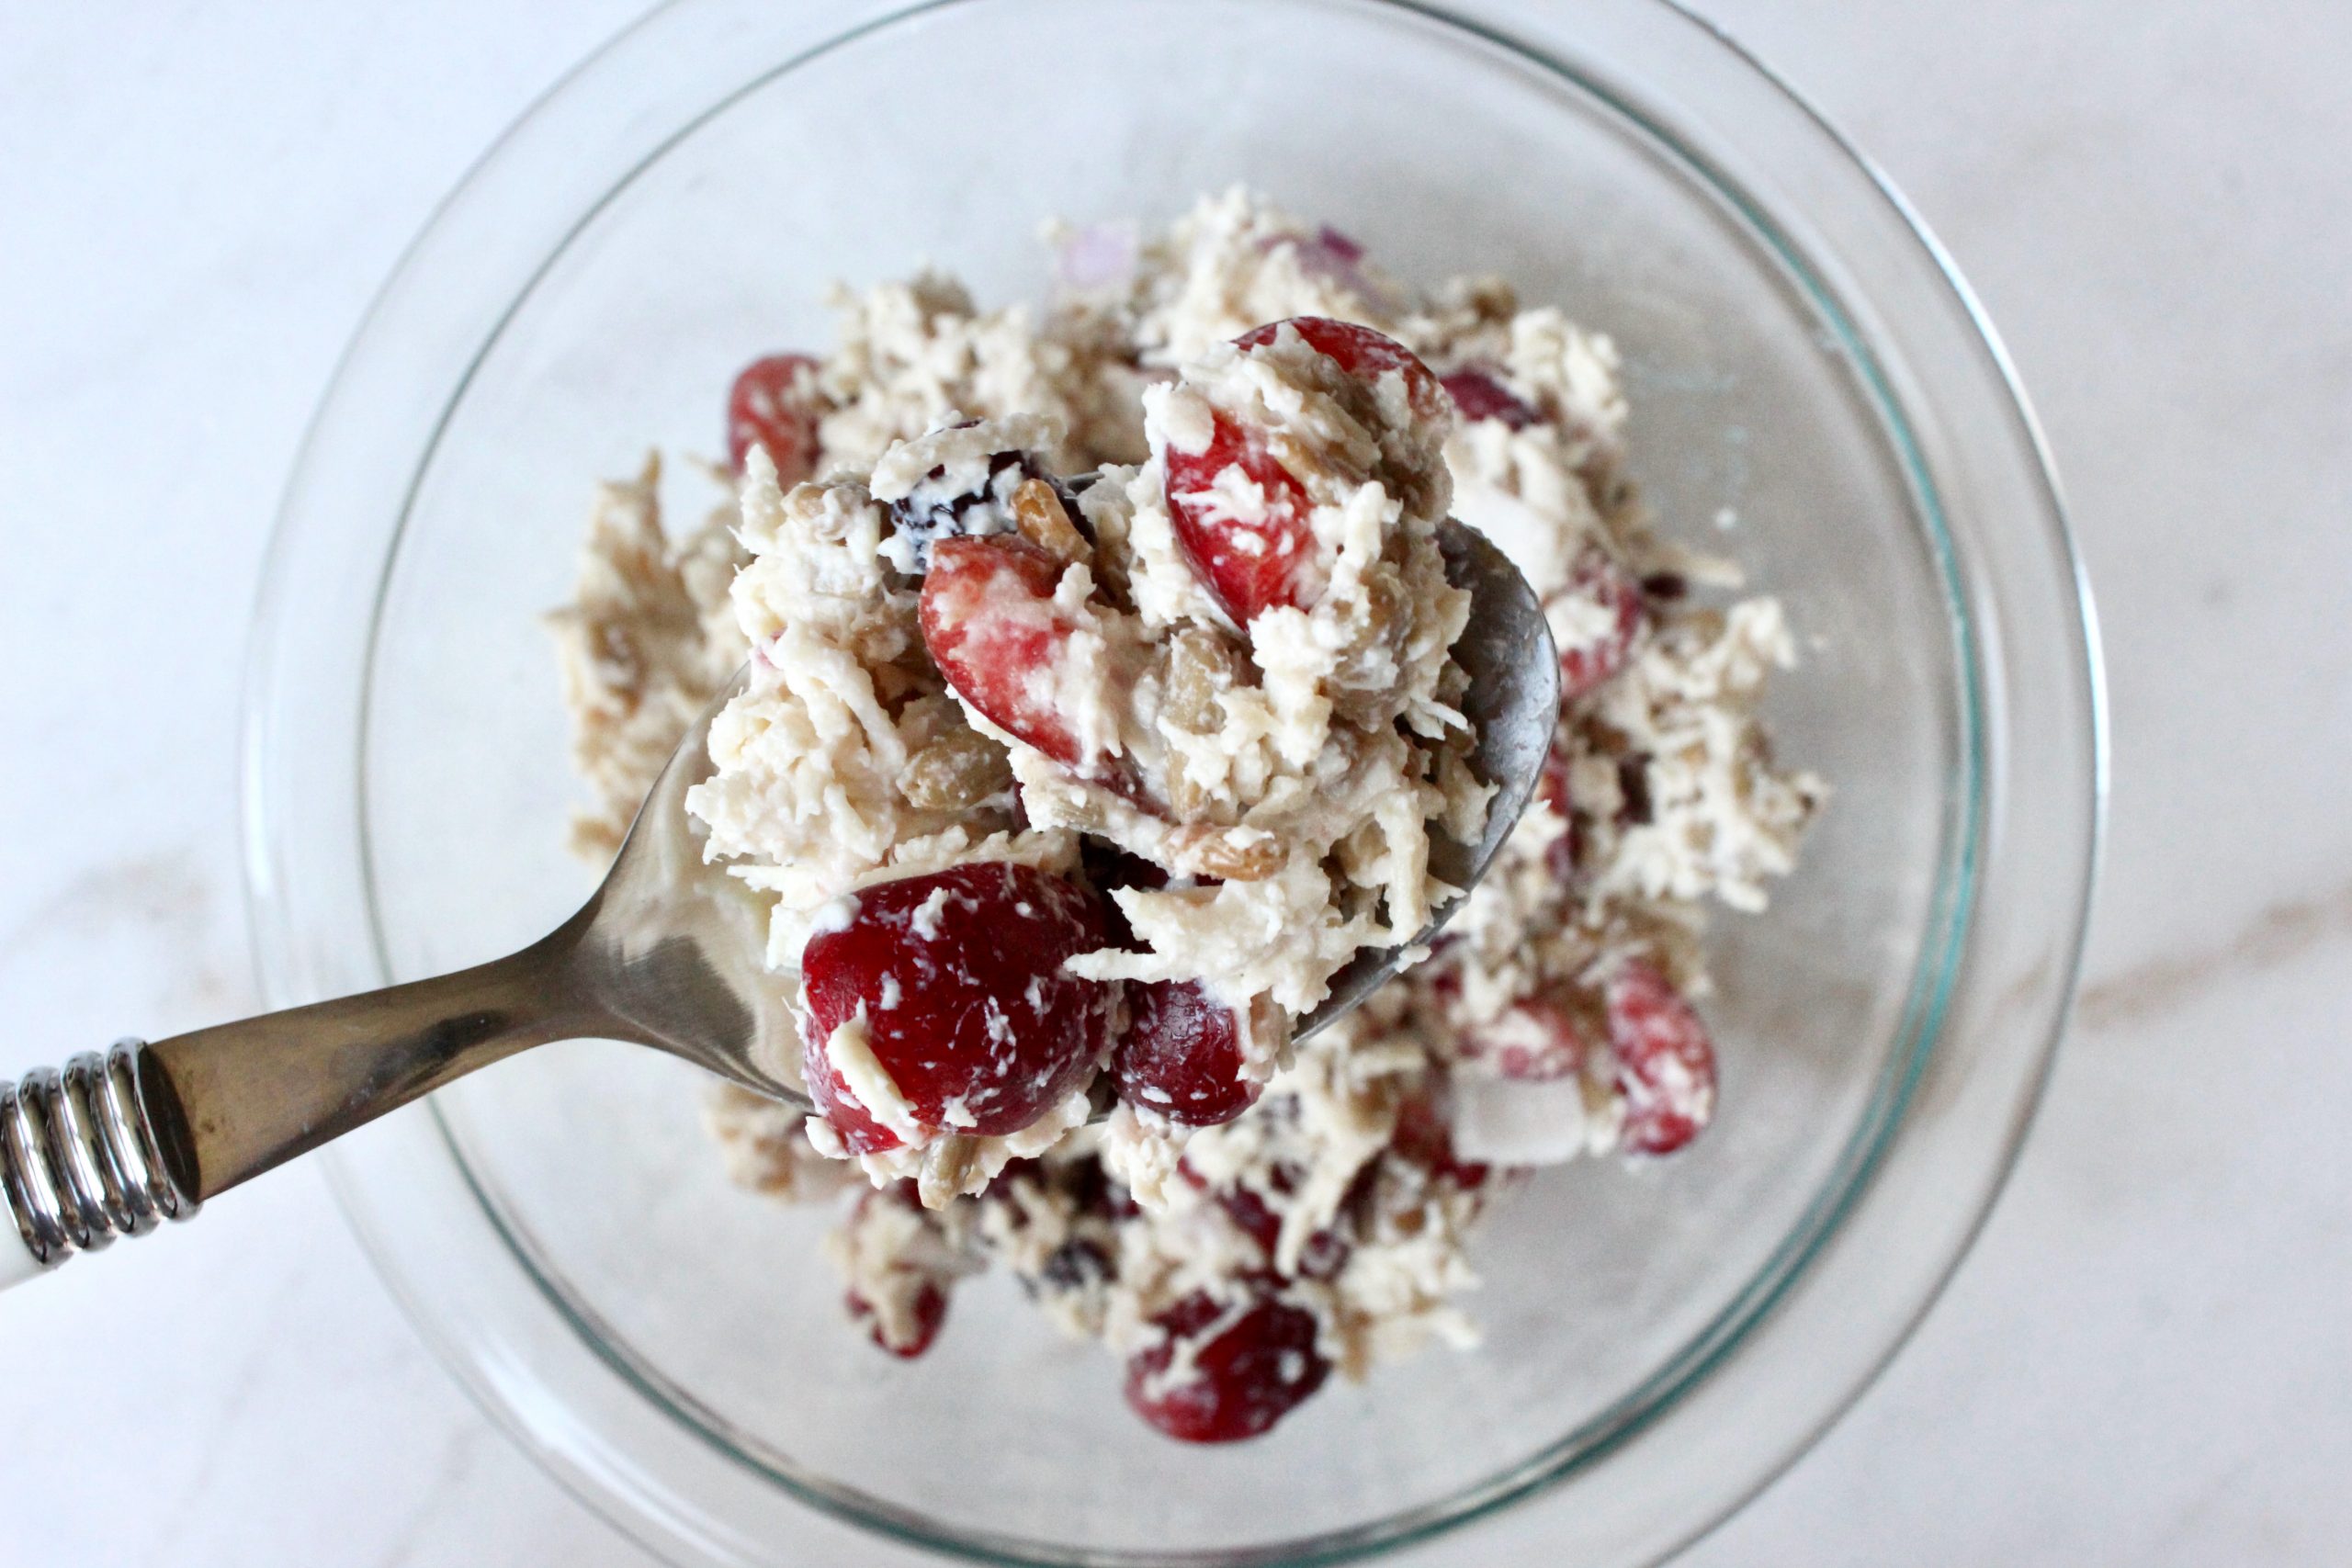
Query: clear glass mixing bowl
(1801, 359)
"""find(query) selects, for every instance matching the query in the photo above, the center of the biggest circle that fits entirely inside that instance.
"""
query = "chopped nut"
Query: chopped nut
(1364, 855)
(1384, 601)
(1203, 665)
(1038, 513)
(955, 773)
(1309, 462)
(1189, 803)
(1455, 774)
(1368, 660)
(948, 1167)
(1067, 805)
(763, 1143)
(1199, 665)
(1212, 852)
(1269, 1030)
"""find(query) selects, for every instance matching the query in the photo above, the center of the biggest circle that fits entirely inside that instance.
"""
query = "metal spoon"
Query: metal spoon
(667, 953)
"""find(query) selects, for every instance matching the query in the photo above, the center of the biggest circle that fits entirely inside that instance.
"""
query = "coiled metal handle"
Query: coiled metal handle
(82, 1157)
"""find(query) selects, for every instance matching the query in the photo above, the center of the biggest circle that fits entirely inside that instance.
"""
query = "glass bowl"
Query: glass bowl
(1805, 371)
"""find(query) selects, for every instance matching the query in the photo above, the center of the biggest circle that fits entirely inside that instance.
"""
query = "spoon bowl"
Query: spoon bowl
(1513, 704)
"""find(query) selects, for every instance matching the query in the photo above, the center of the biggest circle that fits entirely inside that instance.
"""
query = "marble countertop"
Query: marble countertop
(2143, 1361)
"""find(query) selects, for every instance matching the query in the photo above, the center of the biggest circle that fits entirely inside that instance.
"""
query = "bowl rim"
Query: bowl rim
(1946, 937)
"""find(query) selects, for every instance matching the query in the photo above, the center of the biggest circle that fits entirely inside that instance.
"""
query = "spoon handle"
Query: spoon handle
(116, 1142)
(83, 1160)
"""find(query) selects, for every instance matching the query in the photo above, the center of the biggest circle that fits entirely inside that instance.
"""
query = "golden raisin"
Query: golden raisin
(948, 1166)
(1203, 664)
(955, 773)
(1038, 513)
(1210, 852)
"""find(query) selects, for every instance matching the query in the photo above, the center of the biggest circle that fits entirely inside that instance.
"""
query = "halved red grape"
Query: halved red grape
(772, 404)
(1321, 1256)
(1254, 563)
(1266, 556)
(1182, 1055)
(958, 976)
(1251, 1363)
(1666, 1062)
(991, 623)
(1425, 1138)
(1585, 665)
(1362, 352)
(930, 1312)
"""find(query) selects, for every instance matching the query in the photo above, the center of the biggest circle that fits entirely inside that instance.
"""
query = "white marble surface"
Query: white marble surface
(2144, 1361)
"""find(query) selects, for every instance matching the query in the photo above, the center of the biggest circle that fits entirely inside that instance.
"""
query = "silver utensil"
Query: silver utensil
(668, 952)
